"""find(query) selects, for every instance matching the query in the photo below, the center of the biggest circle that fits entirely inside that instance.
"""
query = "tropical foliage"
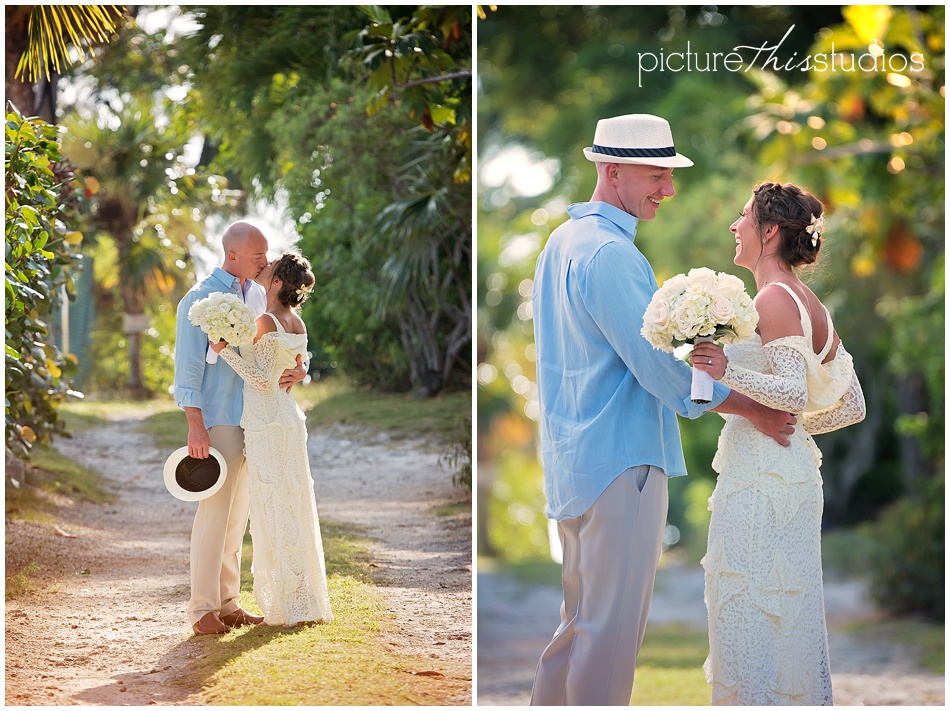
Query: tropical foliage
(39, 257)
(371, 196)
(52, 30)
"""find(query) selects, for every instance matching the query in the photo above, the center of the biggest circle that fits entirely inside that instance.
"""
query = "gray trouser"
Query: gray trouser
(610, 558)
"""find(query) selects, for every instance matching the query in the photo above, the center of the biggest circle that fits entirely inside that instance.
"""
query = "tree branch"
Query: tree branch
(432, 80)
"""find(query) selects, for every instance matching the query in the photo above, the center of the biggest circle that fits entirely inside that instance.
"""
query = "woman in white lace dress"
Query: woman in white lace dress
(768, 645)
(289, 575)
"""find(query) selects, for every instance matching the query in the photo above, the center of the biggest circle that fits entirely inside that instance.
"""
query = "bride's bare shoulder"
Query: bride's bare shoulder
(297, 324)
(778, 314)
(265, 324)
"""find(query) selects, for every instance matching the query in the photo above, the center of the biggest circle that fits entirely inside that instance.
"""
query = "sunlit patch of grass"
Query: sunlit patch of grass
(670, 667)
(458, 508)
(339, 663)
(399, 414)
(53, 472)
(21, 582)
(97, 408)
(49, 472)
(168, 430)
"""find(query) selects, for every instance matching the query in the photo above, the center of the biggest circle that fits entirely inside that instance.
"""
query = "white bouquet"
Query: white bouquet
(224, 317)
(699, 306)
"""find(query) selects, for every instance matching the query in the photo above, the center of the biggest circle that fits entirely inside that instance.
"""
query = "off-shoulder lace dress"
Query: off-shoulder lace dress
(289, 575)
(768, 644)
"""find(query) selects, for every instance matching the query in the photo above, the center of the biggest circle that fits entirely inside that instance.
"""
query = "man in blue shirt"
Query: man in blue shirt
(609, 401)
(211, 394)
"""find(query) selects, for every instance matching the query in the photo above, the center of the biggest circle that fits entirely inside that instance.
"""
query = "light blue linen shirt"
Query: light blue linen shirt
(215, 389)
(608, 399)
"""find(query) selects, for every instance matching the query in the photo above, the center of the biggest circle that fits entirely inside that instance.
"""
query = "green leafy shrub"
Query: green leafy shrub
(907, 564)
(38, 260)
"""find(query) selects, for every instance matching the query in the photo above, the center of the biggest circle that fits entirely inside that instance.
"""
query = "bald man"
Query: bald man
(211, 394)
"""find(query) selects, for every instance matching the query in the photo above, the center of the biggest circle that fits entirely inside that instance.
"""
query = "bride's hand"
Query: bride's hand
(709, 358)
(219, 346)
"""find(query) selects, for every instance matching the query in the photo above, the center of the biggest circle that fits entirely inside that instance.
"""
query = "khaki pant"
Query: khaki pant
(218, 533)
(610, 558)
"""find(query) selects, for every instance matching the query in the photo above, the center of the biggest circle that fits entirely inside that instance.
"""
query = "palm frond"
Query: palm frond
(53, 28)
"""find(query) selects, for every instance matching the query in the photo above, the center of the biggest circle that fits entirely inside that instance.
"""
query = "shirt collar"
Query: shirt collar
(626, 222)
(230, 282)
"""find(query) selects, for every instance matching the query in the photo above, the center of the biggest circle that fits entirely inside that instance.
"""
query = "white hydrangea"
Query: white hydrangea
(224, 317)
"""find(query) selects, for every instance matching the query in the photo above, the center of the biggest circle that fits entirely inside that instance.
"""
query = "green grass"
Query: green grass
(400, 415)
(670, 667)
(459, 508)
(50, 472)
(925, 638)
(22, 582)
(340, 663)
(169, 430)
(92, 410)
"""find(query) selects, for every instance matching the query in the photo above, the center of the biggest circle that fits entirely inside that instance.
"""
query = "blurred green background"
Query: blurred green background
(868, 142)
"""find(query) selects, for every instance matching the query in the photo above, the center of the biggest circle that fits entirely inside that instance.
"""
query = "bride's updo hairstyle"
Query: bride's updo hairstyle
(294, 271)
(794, 211)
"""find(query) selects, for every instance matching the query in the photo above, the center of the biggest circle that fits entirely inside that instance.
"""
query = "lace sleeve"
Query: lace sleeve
(257, 376)
(784, 389)
(848, 410)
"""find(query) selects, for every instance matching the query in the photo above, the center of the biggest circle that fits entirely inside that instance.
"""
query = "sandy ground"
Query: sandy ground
(516, 621)
(112, 629)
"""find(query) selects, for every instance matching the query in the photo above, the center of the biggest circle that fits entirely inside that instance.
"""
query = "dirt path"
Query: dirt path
(113, 630)
(516, 621)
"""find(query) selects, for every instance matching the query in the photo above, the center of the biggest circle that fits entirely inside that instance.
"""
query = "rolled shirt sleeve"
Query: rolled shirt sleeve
(191, 346)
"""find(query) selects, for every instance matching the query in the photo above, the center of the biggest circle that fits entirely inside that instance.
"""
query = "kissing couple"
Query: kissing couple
(610, 440)
(240, 405)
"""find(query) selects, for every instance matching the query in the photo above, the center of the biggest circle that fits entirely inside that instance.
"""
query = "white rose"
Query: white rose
(688, 319)
(703, 277)
(657, 315)
(730, 286)
(675, 284)
(721, 310)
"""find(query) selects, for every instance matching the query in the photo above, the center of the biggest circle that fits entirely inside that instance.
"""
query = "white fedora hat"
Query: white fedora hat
(191, 479)
(635, 138)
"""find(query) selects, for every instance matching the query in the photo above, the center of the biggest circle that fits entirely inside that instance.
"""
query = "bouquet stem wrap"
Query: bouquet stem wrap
(701, 391)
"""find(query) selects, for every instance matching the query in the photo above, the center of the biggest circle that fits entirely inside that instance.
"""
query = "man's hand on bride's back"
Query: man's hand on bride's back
(292, 376)
(776, 424)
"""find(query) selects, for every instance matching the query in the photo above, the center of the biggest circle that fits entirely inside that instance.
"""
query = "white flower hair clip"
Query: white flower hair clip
(815, 228)
(304, 291)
